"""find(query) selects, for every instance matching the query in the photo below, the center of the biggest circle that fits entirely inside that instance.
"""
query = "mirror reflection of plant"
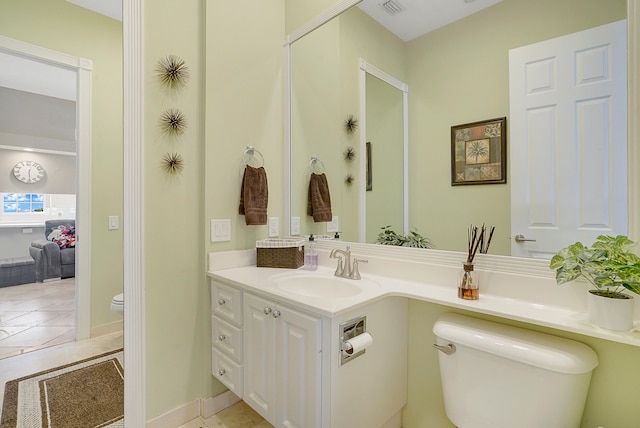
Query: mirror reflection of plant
(349, 180)
(351, 124)
(349, 154)
(389, 237)
(608, 265)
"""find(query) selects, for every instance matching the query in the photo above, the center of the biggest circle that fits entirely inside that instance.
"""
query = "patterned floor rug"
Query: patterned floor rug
(85, 394)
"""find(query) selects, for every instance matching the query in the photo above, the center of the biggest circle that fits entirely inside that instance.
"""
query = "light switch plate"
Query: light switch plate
(220, 230)
(333, 225)
(295, 226)
(274, 227)
(114, 222)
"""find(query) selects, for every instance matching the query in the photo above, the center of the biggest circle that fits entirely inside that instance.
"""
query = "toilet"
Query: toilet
(499, 376)
(117, 303)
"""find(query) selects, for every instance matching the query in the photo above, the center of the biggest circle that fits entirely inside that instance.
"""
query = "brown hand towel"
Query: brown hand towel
(254, 196)
(319, 201)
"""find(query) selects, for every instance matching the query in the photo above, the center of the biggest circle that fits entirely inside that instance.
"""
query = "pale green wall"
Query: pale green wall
(244, 107)
(177, 308)
(69, 29)
(460, 74)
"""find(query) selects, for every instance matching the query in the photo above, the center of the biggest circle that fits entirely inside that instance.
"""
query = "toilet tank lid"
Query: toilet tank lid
(529, 347)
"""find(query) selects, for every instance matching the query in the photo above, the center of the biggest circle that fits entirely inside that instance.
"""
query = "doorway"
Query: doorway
(42, 72)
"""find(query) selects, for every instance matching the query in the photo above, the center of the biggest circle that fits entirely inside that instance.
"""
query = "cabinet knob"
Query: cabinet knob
(222, 302)
(276, 314)
(221, 372)
(267, 311)
(222, 337)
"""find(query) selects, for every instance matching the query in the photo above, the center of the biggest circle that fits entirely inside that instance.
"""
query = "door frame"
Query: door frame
(83, 68)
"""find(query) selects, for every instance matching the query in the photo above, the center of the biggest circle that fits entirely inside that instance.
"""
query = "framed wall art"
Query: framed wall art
(479, 152)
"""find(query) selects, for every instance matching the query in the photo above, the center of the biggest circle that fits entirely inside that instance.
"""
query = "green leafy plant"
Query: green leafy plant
(389, 237)
(608, 265)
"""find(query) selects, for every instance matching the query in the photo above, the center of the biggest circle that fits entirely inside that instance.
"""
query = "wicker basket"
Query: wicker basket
(280, 253)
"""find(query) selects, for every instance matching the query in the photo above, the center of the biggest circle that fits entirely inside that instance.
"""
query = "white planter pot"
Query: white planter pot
(609, 313)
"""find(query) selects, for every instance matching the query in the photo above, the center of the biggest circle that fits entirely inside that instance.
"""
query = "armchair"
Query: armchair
(55, 256)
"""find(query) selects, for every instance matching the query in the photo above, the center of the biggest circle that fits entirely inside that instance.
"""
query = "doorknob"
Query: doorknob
(521, 238)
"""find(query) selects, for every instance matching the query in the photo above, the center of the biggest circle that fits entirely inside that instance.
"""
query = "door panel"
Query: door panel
(568, 140)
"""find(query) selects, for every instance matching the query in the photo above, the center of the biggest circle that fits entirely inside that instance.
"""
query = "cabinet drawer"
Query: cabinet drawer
(227, 372)
(226, 303)
(227, 338)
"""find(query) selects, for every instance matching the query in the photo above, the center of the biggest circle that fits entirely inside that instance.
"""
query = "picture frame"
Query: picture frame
(369, 168)
(479, 152)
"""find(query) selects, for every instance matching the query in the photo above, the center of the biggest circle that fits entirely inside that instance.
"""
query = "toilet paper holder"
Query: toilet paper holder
(348, 330)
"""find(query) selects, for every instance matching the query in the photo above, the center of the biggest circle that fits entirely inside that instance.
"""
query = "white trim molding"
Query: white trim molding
(83, 68)
(133, 165)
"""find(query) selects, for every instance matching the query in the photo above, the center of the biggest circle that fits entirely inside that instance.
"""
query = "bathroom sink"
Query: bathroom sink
(322, 285)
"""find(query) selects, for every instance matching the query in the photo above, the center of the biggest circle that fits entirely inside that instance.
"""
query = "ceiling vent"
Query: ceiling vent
(392, 7)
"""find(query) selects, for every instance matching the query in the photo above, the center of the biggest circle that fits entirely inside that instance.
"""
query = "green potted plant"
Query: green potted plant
(389, 237)
(611, 267)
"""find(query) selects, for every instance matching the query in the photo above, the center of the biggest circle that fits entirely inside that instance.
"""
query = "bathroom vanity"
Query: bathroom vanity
(278, 343)
(282, 352)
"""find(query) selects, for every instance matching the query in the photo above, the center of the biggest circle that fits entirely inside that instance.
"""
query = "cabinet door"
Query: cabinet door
(299, 371)
(259, 355)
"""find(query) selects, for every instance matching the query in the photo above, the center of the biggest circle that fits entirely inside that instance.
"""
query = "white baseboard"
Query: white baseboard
(211, 406)
(177, 417)
(101, 330)
(190, 411)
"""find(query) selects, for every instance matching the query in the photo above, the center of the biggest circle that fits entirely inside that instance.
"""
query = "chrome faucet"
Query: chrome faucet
(345, 268)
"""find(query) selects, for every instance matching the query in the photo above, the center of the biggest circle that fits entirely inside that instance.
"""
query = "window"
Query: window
(23, 202)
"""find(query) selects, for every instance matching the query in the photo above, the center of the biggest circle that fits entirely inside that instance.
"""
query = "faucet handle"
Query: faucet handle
(356, 272)
(339, 269)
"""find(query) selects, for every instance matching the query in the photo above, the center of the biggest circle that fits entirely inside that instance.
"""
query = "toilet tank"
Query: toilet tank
(501, 376)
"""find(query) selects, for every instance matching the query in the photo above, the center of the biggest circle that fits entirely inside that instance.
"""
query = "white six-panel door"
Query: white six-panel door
(568, 140)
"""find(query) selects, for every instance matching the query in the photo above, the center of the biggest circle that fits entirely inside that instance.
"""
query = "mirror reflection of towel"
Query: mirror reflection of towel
(254, 196)
(319, 201)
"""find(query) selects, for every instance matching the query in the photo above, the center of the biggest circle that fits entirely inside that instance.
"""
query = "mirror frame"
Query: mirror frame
(366, 68)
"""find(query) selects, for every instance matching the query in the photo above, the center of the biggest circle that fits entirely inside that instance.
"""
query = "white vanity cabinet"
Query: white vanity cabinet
(227, 336)
(282, 379)
(286, 361)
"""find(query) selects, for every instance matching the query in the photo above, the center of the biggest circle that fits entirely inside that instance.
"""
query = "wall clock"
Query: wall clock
(28, 171)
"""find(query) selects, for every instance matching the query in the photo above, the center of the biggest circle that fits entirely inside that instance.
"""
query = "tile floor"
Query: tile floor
(240, 415)
(36, 315)
(40, 323)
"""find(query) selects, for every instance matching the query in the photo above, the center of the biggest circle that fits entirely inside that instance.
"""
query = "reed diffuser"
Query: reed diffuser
(469, 286)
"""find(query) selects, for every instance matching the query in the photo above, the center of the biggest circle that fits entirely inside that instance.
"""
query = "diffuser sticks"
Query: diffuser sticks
(468, 287)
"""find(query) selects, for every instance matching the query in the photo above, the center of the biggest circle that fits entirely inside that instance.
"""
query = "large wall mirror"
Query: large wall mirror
(457, 74)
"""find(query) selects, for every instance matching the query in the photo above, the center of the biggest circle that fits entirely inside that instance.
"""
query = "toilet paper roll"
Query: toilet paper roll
(358, 343)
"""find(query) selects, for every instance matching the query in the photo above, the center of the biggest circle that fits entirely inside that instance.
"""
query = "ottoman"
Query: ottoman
(16, 271)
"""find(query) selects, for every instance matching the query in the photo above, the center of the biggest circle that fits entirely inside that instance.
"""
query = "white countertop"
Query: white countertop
(512, 296)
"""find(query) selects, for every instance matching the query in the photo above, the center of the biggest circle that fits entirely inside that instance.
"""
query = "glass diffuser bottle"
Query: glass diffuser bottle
(468, 287)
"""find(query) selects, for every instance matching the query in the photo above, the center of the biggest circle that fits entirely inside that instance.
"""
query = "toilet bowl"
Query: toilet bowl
(499, 376)
(117, 303)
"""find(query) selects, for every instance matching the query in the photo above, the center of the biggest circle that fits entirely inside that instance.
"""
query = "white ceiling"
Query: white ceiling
(418, 17)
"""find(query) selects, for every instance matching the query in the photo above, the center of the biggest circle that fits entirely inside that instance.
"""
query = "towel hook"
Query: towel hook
(249, 153)
(314, 162)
